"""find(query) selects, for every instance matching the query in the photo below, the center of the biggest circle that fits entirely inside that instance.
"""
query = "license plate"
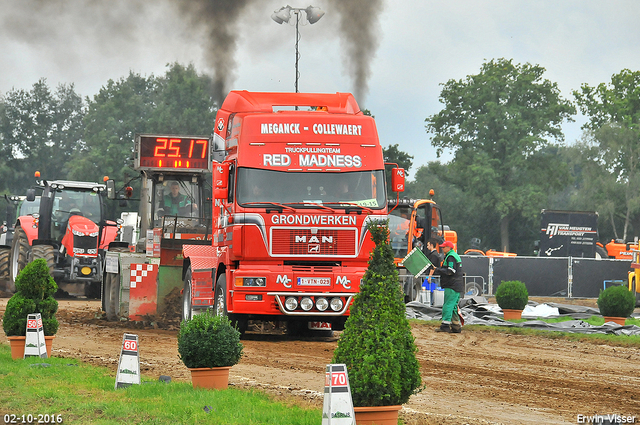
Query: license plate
(314, 281)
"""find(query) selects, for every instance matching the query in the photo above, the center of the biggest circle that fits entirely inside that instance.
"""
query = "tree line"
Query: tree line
(503, 126)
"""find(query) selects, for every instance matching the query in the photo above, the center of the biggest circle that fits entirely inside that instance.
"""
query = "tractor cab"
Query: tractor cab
(412, 223)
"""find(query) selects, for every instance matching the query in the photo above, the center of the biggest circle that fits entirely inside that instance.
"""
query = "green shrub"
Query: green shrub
(14, 321)
(35, 288)
(377, 345)
(512, 295)
(209, 341)
(35, 281)
(616, 301)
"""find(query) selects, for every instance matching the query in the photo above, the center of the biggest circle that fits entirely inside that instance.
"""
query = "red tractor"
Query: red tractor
(69, 231)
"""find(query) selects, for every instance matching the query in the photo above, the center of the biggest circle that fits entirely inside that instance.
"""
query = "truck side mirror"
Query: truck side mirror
(397, 179)
(31, 195)
(221, 180)
(111, 189)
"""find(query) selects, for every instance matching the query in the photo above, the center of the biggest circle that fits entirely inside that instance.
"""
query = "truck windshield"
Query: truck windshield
(364, 188)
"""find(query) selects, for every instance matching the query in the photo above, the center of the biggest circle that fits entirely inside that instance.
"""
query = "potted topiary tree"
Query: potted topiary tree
(616, 303)
(34, 294)
(512, 297)
(209, 345)
(377, 345)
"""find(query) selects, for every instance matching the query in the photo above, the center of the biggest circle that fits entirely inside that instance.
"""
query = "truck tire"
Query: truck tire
(220, 297)
(473, 289)
(20, 252)
(187, 308)
(45, 252)
(220, 305)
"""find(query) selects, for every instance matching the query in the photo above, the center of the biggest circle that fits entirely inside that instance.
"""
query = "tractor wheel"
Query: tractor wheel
(187, 308)
(5, 274)
(45, 252)
(20, 252)
(5, 261)
(601, 253)
(112, 296)
(111, 290)
(473, 289)
(92, 290)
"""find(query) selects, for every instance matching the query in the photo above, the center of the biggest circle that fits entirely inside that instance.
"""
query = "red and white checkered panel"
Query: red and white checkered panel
(140, 271)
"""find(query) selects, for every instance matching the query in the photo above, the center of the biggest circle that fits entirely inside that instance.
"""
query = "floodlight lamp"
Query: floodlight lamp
(314, 14)
(282, 15)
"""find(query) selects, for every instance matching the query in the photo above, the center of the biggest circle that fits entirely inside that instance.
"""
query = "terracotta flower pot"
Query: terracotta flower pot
(210, 377)
(48, 342)
(619, 320)
(378, 415)
(510, 314)
(17, 346)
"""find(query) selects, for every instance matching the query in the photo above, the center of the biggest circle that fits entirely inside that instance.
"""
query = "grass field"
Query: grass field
(67, 391)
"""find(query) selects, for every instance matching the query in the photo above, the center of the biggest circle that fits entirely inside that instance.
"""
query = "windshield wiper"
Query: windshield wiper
(352, 206)
(312, 205)
(278, 207)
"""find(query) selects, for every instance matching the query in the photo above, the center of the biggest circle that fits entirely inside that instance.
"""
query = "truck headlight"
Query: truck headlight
(291, 303)
(251, 281)
(336, 304)
(322, 304)
(306, 303)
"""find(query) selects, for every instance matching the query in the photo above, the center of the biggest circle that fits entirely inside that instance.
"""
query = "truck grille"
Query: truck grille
(301, 242)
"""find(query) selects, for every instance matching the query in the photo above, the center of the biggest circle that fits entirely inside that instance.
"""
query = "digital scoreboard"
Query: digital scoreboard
(169, 152)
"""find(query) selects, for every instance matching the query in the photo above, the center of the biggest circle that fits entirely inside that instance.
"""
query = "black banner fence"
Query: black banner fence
(546, 277)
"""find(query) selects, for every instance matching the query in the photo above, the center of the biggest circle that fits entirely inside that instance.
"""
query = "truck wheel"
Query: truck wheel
(45, 252)
(187, 309)
(220, 305)
(20, 252)
(473, 289)
(220, 300)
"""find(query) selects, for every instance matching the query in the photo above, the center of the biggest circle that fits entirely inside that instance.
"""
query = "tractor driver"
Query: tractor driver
(176, 203)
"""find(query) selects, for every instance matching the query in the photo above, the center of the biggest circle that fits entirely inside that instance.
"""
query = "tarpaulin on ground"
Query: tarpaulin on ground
(477, 311)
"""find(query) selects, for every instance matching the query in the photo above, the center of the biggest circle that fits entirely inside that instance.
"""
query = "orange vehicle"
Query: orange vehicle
(634, 275)
(617, 249)
(410, 217)
(293, 197)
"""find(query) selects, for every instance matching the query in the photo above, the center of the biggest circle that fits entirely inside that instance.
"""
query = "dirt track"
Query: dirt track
(476, 377)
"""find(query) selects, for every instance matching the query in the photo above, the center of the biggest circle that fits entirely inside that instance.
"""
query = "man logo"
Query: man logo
(286, 282)
(314, 249)
(342, 280)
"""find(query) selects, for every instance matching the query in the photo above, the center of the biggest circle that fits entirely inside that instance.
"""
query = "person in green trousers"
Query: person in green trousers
(452, 281)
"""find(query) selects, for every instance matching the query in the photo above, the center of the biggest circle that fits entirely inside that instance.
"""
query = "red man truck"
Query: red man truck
(302, 176)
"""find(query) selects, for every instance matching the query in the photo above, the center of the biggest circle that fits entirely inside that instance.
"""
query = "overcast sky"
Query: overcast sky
(396, 70)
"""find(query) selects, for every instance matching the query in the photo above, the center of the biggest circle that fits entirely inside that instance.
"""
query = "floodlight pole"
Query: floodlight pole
(297, 12)
(283, 15)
